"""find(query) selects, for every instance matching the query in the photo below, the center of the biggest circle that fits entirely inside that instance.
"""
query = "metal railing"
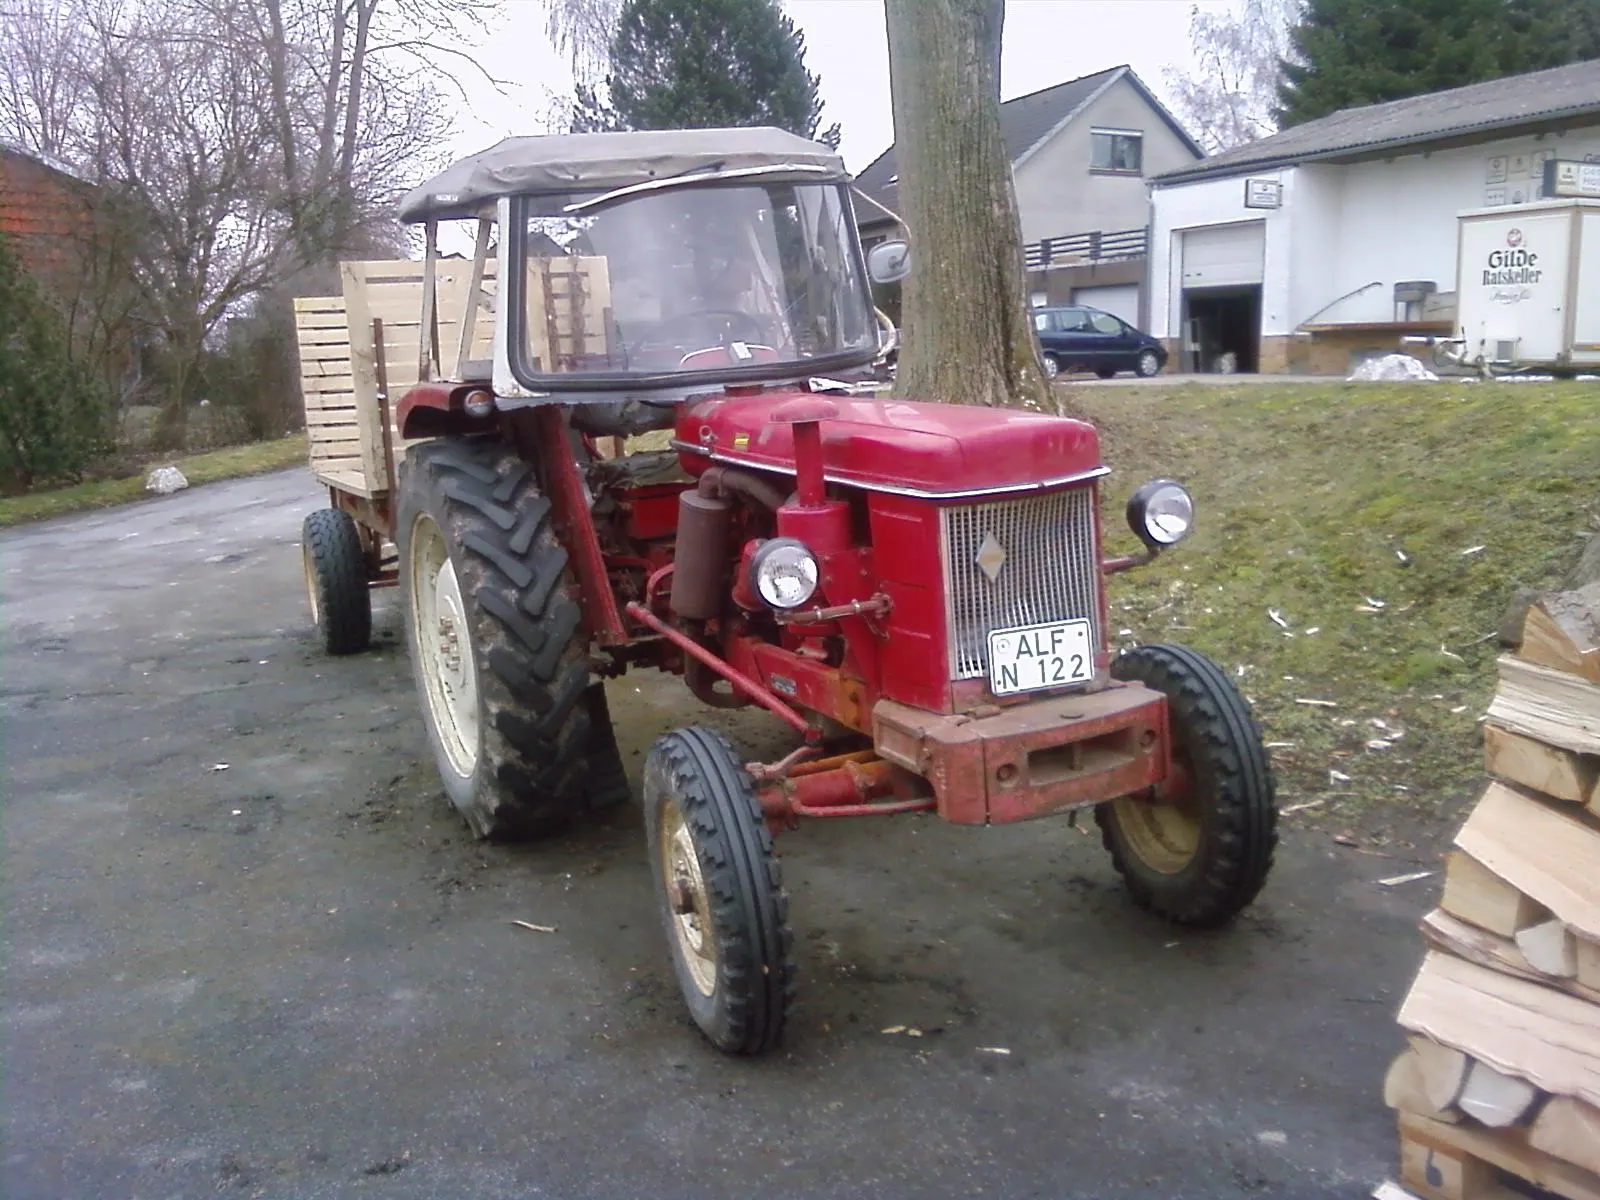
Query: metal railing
(1096, 247)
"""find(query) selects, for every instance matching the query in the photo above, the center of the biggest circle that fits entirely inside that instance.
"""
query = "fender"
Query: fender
(437, 409)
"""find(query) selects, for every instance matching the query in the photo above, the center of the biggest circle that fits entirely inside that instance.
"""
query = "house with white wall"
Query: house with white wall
(1329, 242)
(1081, 155)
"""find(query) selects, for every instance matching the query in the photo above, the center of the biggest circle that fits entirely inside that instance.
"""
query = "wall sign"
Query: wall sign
(1579, 180)
(1263, 193)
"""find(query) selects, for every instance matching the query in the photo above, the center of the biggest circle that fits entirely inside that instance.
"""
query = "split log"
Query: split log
(1443, 1070)
(1559, 773)
(1546, 1037)
(1477, 895)
(1548, 705)
(1563, 632)
(1455, 1161)
(1548, 854)
(1447, 933)
(1588, 962)
(1568, 1129)
(1406, 1090)
(1550, 949)
(1494, 1098)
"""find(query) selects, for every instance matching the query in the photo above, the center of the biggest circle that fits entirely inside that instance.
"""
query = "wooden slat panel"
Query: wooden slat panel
(331, 417)
(331, 384)
(345, 480)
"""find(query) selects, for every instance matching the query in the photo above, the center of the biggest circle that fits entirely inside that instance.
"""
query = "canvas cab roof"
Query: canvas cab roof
(569, 163)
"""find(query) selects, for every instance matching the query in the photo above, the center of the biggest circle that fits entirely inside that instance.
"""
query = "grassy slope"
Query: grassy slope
(197, 468)
(1305, 493)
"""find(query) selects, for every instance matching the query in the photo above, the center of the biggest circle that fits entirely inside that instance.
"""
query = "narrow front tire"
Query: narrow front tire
(335, 564)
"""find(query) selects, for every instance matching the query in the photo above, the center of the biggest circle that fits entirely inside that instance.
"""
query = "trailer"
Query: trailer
(1528, 287)
(916, 590)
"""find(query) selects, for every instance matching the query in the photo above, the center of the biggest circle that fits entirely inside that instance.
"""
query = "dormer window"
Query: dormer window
(1116, 151)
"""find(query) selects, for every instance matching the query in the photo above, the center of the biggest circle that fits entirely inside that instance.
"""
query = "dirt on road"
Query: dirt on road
(250, 950)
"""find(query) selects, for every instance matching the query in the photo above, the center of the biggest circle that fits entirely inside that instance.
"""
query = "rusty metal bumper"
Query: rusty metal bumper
(1031, 759)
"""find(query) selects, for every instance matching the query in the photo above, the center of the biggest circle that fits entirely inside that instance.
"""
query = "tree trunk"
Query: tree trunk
(967, 337)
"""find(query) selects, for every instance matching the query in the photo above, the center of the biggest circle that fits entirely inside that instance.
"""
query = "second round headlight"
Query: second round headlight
(784, 573)
(1161, 512)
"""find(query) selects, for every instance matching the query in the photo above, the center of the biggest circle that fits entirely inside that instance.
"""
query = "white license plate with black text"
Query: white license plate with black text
(1040, 656)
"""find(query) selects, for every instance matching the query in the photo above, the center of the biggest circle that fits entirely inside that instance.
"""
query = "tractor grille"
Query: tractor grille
(1049, 569)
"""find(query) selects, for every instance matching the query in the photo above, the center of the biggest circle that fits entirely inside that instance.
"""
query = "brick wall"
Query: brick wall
(44, 216)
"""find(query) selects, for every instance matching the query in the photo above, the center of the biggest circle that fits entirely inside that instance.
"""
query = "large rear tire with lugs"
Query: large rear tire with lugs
(720, 892)
(496, 639)
(1198, 848)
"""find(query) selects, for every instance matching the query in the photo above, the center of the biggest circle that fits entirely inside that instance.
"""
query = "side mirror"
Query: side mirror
(889, 262)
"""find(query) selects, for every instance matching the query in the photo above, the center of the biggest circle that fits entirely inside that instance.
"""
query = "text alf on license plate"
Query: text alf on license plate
(1040, 656)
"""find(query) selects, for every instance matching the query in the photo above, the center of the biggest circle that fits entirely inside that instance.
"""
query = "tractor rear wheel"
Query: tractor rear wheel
(720, 890)
(336, 580)
(1196, 849)
(496, 639)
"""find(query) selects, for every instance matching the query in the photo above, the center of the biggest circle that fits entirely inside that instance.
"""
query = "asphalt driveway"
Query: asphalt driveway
(248, 949)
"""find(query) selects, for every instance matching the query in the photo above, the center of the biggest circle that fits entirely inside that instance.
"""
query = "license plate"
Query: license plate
(1040, 656)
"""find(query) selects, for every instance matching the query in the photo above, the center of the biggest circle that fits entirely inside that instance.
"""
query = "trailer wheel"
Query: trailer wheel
(336, 580)
(1197, 849)
(494, 631)
(720, 890)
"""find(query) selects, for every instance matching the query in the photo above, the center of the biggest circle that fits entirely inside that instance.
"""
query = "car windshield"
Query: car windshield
(692, 280)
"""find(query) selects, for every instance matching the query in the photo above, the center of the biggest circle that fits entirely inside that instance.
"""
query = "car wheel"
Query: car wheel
(1149, 363)
(1052, 366)
(1104, 372)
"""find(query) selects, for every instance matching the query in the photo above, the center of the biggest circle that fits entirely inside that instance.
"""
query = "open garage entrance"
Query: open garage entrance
(1221, 307)
(1223, 330)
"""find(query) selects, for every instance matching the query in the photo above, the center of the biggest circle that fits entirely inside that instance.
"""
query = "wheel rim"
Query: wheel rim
(311, 584)
(1148, 365)
(1162, 825)
(686, 897)
(1051, 367)
(444, 646)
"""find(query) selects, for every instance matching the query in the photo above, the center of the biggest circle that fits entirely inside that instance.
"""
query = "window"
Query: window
(1072, 320)
(1116, 150)
(1104, 323)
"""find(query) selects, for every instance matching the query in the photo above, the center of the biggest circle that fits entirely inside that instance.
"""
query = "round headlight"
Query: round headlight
(784, 573)
(1161, 512)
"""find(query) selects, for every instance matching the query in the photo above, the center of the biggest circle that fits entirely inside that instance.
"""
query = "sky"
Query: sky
(1045, 42)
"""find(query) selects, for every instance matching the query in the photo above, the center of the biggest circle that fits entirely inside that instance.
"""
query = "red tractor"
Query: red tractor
(916, 589)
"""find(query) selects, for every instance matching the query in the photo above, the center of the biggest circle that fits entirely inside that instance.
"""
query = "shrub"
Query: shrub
(54, 415)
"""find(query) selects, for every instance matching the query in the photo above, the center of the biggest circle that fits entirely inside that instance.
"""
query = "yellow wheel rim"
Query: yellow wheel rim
(443, 644)
(1164, 836)
(686, 898)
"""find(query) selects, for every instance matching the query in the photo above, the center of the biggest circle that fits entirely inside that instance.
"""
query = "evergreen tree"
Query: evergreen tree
(1353, 52)
(686, 64)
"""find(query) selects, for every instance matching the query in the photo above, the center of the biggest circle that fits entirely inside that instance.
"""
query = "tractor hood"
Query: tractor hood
(936, 450)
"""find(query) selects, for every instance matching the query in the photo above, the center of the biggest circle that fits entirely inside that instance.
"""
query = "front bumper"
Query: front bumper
(1030, 759)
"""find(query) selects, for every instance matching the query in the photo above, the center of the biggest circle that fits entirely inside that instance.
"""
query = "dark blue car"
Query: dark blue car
(1078, 338)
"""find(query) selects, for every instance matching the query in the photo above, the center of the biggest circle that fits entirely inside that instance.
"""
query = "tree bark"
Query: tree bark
(967, 336)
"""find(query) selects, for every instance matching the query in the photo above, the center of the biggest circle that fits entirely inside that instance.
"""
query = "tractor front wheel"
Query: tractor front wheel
(1196, 849)
(720, 890)
(496, 639)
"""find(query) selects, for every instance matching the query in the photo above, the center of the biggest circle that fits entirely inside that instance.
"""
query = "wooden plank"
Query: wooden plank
(307, 305)
(332, 416)
(1444, 1172)
(1568, 1129)
(1445, 932)
(1476, 894)
(351, 481)
(1549, 854)
(338, 352)
(1563, 632)
(1535, 1033)
(328, 385)
(1549, 705)
(1506, 1149)
(1563, 774)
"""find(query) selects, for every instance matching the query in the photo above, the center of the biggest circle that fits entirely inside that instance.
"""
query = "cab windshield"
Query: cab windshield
(692, 281)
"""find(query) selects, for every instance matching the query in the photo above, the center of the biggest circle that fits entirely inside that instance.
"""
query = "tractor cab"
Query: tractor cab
(648, 266)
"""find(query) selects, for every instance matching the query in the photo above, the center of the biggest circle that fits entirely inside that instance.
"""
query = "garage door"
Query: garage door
(1224, 256)
(1122, 300)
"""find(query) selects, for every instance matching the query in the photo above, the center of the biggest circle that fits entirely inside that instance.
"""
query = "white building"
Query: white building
(1327, 243)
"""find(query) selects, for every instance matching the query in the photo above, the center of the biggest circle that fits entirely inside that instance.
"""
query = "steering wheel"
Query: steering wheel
(736, 326)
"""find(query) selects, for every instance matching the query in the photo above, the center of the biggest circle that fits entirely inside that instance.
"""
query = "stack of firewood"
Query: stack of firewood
(1502, 1072)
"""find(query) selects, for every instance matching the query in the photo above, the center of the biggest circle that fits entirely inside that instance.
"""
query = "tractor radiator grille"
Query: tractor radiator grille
(1049, 570)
